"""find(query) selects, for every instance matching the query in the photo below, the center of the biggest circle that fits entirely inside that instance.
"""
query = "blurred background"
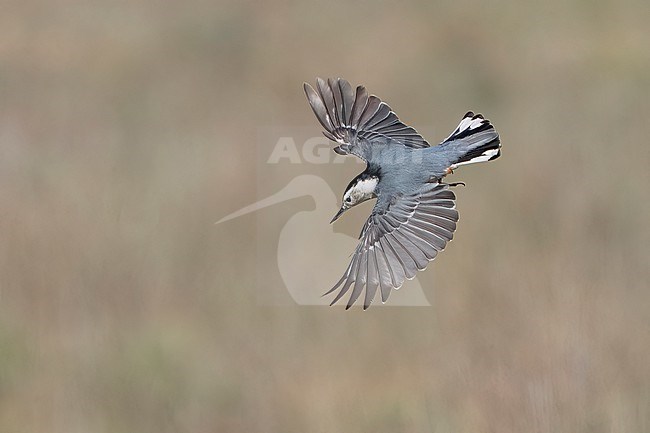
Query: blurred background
(128, 128)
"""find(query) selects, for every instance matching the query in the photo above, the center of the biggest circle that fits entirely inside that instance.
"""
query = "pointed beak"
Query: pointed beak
(338, 214)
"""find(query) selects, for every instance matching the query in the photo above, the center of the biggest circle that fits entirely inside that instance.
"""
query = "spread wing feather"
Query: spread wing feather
(356, 121)
(398, 241)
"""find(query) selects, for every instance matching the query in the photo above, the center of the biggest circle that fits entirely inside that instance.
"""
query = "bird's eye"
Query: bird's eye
(348, 200)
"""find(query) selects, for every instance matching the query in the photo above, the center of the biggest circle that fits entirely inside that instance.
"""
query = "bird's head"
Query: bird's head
(360, 189)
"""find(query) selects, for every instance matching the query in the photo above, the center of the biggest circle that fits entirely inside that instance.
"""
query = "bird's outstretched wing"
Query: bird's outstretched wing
(358, 121)
(398, 240)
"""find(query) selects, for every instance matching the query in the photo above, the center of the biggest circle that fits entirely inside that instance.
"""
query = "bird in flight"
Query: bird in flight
(415, 214)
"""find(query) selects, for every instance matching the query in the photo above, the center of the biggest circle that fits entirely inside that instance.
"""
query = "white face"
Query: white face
(360, 192)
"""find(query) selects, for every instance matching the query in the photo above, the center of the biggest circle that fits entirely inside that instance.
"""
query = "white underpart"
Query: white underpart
(363, 190)
(485, 156)
(367, 186)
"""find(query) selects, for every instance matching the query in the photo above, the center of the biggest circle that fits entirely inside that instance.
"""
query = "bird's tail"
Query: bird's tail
(473, 140)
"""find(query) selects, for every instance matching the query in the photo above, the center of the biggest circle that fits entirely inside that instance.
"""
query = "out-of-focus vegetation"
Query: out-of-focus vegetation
(128, 128)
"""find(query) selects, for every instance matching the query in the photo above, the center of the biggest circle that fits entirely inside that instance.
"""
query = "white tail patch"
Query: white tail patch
(485, 156)
(469, 123)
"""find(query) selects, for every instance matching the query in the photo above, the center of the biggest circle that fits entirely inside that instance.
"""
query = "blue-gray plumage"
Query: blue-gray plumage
(415, 214)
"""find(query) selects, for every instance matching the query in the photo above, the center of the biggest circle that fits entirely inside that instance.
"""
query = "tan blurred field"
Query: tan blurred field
(128, 128)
